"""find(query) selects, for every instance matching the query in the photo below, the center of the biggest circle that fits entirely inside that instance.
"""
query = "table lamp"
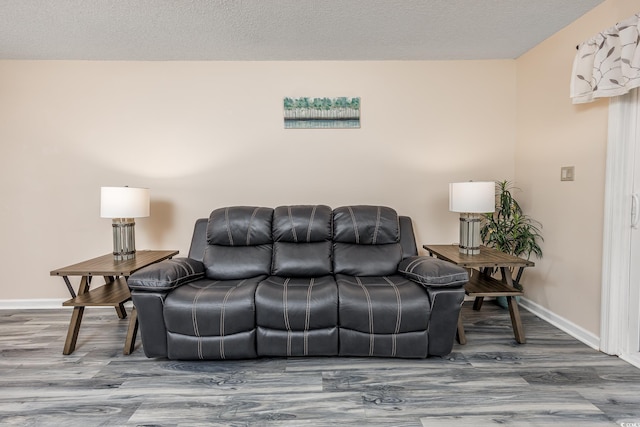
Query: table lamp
(471, 199)
(123, 204)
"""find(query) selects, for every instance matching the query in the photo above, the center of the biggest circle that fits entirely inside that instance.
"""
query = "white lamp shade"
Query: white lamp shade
(124, 202)
(472, 197)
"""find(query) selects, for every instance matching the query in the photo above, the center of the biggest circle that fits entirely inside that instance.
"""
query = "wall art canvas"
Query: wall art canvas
(322, 113)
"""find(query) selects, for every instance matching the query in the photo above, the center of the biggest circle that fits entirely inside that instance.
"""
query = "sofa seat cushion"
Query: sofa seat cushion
(297, 316)
(297, 304)
(212, 307)
(382, 305)
(384, 316)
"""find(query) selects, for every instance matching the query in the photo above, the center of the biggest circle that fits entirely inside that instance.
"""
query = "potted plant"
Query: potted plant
(509, 230)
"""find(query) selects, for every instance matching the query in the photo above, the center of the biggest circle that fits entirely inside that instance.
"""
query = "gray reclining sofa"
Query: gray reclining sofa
(299, 281)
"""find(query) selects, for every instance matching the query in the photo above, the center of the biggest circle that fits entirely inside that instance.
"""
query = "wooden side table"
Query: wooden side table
(114, 293)
(482, 285)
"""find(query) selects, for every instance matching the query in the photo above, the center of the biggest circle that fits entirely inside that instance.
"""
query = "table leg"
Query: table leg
(69, 287)
(74, 328)
(516, 322)
(132, 333)
(477, 303)
(121, 311)
(518, 277)
(506, 276)
(462, 338)
(76, 320)
(514, 311)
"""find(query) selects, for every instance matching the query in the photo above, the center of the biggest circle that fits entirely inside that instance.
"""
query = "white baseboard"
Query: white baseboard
(561, 323)
(31, 304)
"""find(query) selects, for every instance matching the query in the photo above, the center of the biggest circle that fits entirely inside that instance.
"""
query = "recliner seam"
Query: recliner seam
(194, 318)
(370, 310)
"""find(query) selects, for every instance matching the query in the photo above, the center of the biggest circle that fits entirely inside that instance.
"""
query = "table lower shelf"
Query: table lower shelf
(111, 294)
(481, 285)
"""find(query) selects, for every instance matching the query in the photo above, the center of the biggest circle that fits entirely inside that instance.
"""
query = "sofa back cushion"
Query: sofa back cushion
(302, 241)
(366, 241)
(239, 243)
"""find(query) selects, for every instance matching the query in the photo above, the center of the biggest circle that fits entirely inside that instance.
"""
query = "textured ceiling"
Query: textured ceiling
(280, 29)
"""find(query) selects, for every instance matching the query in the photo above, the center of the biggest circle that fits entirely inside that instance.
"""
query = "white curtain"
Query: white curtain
(608, 64)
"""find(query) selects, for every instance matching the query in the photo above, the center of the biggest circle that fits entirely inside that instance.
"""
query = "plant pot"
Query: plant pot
(502, 301)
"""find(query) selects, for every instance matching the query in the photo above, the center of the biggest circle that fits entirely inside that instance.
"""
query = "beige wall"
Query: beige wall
(207, 134)
(553, 133)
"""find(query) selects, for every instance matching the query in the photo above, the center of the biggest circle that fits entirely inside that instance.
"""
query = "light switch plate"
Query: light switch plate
(567, 173)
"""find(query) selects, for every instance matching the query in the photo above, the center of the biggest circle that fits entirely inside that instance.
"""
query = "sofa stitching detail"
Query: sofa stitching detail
(413, 264)
(285, 313)
(375, 231)
(370, 310)
(194, 317)
(398, 316)
(307, 319)
(355, 225)
(226, 218)
(194, 320)
(293, 226)
(222, 317)
(253, 216)
(313, 215)
(284, 304)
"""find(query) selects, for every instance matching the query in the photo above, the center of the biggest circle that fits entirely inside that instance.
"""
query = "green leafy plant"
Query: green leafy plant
(508, 229)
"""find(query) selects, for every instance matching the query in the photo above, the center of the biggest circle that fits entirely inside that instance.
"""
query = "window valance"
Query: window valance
(608, 64)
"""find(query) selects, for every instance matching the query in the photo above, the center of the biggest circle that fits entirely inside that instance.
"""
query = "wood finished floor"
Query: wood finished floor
(551, 380)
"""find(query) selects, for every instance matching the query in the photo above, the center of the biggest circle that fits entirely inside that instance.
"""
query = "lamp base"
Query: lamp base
(124, 238)
(470, 233)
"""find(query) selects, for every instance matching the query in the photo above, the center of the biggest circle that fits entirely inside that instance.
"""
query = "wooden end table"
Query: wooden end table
(482, 285)
(114, 293)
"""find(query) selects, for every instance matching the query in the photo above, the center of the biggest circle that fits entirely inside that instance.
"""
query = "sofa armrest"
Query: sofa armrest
(166, 275)
(433, 272)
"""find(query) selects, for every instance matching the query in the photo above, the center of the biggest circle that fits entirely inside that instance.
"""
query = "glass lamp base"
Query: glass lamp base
(470, 233)
(124, 238)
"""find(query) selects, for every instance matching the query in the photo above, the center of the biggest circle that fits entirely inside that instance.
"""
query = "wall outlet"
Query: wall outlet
(567, 173)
